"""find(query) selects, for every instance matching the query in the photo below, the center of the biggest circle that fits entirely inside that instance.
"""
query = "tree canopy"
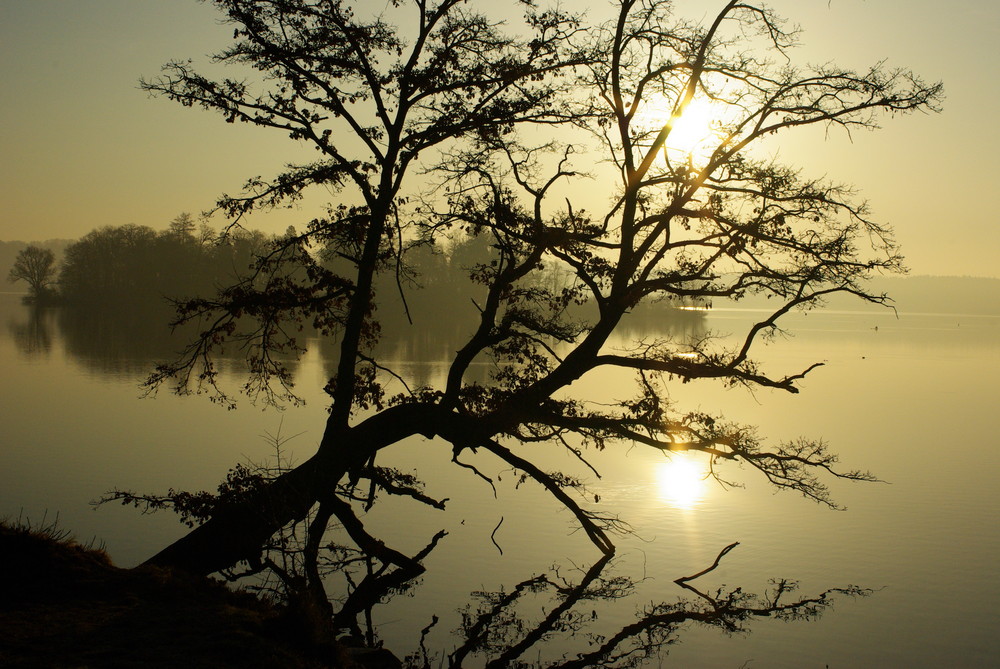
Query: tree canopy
(136, 265)
(36, 267)
(434, 122)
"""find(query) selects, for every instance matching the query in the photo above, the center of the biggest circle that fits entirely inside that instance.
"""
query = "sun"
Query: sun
(680, 481)
(695, 134)
(695, 130)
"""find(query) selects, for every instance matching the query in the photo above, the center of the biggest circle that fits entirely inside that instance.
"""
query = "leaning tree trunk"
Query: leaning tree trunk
(239, 531)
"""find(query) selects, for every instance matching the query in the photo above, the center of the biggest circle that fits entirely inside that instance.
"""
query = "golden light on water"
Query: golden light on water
(680, 481)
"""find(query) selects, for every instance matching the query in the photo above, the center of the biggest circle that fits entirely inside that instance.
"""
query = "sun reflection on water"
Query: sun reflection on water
(680, 481)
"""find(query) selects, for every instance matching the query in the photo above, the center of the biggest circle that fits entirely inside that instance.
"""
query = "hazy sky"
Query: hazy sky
(82, 147)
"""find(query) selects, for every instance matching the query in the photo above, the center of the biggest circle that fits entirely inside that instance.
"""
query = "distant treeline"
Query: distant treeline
(133, 263)
(136, 264)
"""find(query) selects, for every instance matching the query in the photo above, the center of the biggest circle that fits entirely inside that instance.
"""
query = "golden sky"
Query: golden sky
(82, 147)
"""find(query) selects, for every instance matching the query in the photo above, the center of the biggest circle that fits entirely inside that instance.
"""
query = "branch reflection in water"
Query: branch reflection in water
(563, 618)
(555, 618)
(33, 336)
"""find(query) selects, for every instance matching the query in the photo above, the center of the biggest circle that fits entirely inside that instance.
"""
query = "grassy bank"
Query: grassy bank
(67, 605)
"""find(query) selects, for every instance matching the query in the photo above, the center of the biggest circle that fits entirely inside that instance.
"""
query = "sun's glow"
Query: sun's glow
(694, 135)
(694, 131)
(680, 481)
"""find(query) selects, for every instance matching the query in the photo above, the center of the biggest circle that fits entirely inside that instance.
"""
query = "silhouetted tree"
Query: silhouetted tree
(374, 98)
(182, 227)
(35, 266)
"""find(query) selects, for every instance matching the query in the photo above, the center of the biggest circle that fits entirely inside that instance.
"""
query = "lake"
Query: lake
(912, 398)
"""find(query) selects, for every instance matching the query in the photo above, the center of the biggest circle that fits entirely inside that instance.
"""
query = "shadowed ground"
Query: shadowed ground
(65, 605)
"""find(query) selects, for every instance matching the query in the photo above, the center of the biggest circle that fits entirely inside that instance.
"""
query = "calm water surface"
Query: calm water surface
(913, 399)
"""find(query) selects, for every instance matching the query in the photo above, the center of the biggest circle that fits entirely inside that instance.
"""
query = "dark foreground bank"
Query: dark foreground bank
(67, 605)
